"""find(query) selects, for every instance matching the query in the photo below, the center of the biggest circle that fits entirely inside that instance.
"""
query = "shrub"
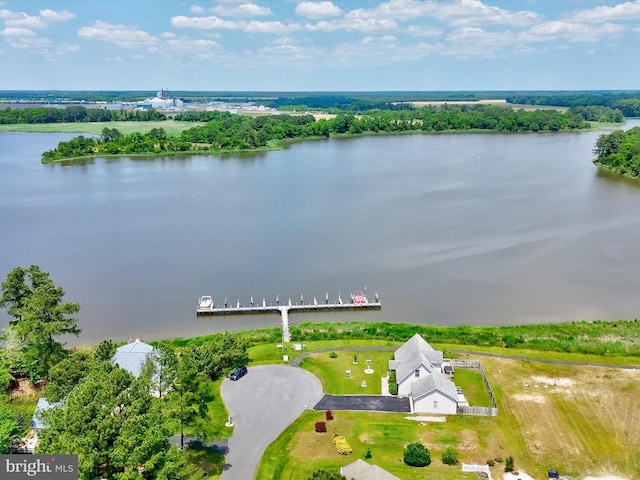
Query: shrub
(327, 475)
(509, 464)
(321, 427)
(450, 456)
(417, 455)
(333, 355)
(490, 462)
(368, 454)
(329, 415)
(393, 385)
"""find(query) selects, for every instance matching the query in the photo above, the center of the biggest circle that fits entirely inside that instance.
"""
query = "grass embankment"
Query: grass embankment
(171, 127)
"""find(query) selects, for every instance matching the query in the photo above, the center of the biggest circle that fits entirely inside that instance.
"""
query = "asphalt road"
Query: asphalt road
(262, 404)
(374, 403)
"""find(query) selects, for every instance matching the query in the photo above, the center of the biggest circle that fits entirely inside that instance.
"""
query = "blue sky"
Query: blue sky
(291, 45)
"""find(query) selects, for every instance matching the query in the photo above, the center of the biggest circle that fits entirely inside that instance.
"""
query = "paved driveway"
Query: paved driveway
(263, 403)
(375, 403)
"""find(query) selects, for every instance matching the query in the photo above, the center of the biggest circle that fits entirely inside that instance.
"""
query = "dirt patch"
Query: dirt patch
(364, 438)
(530, 397)
(314, 446)
(21, 387)
(553, 382)
(606, 477)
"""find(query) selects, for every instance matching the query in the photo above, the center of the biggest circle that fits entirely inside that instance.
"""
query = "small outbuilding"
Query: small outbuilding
(133, 356)
(361, 470)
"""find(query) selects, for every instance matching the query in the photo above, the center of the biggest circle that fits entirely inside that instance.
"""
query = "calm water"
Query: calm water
(450, 229)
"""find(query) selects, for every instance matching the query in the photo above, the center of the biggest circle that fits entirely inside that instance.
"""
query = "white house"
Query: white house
(420, 375)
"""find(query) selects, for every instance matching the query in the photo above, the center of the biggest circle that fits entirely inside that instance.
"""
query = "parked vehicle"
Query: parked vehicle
(238, 373)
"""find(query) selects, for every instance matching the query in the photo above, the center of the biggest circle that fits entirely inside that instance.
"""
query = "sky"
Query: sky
(328, 45)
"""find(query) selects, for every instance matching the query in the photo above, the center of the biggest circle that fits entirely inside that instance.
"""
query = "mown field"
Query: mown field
(172, 127)
(579, 419)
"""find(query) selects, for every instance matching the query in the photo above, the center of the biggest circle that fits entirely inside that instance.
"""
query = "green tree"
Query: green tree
(39, 315)
(509, 464)
(65, 375)
(115, 427)
(187, 400)
(450, 456)
(8, 428)
(417, 455)
(220, 355)
(165, 362)
(105, 351)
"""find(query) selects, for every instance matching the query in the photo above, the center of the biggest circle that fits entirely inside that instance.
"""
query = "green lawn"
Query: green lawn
(299, 450)
(472, 386)
(333, 376)
(172, 127)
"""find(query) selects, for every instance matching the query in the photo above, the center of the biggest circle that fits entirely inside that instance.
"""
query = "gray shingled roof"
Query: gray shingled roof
(413, 353)
(132, 356)
(435, 381)
(361, 470)
(43, 405)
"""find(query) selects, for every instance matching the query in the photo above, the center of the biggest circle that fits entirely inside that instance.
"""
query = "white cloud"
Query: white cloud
(423, 31)
(21, 19)
(576, 32)
(605, 13)
(353, 25)
(118, 34)
(241, 10)
(213, 22)
(34, 44)
(53, 16)
(17, 32)
(317, 10)
(460, 12)
(205, 23)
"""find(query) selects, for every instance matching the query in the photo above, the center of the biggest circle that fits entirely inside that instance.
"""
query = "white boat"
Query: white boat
(205, 302)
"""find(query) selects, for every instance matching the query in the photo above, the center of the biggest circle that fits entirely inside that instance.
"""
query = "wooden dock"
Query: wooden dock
(358, 301)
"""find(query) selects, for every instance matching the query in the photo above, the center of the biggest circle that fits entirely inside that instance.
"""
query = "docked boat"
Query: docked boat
(205, 302)
(358, 298)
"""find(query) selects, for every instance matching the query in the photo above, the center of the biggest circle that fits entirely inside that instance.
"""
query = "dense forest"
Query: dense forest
(619, 152)
(225, 131)
(627, 102)
(75, 113)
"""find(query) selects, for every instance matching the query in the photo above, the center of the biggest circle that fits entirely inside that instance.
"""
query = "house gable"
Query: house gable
(132, 357)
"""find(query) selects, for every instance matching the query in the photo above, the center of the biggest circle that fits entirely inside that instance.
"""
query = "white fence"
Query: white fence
(483, 411)
(477, 468)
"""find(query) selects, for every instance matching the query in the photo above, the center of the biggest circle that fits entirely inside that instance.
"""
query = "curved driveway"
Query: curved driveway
(262, 404)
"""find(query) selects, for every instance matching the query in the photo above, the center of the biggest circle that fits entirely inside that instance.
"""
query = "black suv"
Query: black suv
(238, 373)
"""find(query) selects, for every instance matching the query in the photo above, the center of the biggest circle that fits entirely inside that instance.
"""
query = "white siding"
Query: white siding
(404, 387)
(434, 402)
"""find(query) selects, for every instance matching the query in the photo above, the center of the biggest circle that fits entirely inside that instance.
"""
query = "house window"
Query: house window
(435, 404)
(417, 372)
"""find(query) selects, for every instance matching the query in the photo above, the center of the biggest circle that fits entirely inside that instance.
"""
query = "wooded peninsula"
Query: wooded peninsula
(225, 131)
(619, 152)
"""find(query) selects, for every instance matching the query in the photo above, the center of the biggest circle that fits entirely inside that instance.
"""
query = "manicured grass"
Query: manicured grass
(172, 127)
(472, 386)
(213, 427)
(299, 450)
(269, 353)
(333, 376)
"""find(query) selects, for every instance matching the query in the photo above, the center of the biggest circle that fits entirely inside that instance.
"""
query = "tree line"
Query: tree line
(75, 113)
(118, 424)
(228, 132)
(619, 151)
(627, 102)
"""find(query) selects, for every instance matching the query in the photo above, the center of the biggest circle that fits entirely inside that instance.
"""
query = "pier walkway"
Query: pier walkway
(358, 301)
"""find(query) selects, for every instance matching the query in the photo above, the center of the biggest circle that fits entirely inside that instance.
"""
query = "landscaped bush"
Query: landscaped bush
(368, 454)
(329, 415)
(327, 475)
(450, 456)
(393, 385)
(417, 455)
(490, 462)
(509, 464)
(321, 427)
(333, 355)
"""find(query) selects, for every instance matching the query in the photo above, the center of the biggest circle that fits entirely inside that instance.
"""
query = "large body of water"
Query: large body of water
(449, 229)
